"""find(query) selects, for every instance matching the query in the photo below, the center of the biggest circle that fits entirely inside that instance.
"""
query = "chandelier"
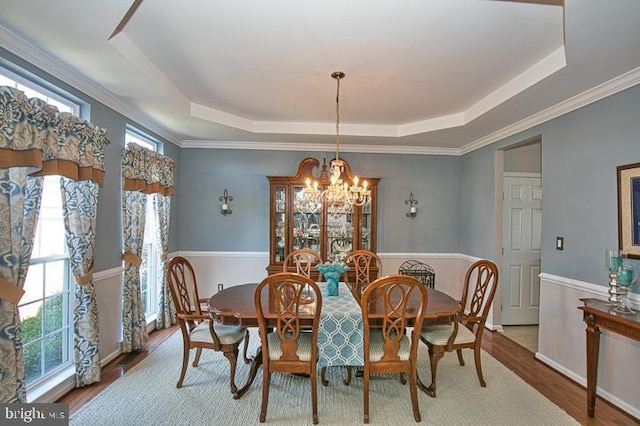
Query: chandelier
(339, 197)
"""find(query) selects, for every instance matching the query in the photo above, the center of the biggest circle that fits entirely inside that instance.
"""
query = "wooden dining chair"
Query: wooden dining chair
(198, 330)
(387, 348)
(366, 267)
(480, 283)
(304, 262)
(287, 348)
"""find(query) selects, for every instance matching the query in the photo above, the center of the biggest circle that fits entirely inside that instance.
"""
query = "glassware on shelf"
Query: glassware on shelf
(613, 261)
(627, 277)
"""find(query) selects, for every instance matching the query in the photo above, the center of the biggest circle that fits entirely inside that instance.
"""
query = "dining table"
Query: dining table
(340, 334)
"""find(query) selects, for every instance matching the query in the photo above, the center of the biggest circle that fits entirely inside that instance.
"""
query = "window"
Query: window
(151, 248)
(46, 307)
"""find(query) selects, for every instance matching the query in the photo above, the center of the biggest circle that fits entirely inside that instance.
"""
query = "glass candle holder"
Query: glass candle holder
(612, 262)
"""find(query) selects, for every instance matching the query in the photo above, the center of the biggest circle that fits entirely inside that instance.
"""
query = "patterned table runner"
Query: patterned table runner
(340, 335)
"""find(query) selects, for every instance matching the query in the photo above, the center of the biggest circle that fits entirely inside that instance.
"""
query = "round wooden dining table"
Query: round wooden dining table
(235, 306)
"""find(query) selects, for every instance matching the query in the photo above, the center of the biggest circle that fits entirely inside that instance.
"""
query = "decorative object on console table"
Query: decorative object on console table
(627, 277)
(225, 199)
(629, 209)
(413, 210)
(332, 273)
(612, 261)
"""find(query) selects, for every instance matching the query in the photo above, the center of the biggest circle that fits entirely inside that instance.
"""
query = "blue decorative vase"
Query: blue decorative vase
(332, 273)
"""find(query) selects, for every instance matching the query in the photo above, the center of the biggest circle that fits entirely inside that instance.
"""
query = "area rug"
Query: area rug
(147, 395)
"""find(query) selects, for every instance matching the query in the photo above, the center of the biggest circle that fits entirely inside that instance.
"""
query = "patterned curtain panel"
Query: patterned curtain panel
(143, 172)
(20, 197)
(35, 140)
(134, 330)
(79, 203)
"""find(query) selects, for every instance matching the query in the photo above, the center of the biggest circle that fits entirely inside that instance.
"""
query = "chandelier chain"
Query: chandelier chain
(338, 77)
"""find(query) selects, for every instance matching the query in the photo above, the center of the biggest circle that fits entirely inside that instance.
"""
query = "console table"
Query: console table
(598, 314)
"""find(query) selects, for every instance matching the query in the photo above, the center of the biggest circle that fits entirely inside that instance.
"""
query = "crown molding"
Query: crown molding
(283, 146)
(56, 68)
(608, 88)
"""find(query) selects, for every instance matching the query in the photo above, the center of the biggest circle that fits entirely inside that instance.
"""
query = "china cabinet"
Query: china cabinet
(296, 223)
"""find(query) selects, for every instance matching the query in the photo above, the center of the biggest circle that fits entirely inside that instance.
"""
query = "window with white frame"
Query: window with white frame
(148, 268)
(46, 307)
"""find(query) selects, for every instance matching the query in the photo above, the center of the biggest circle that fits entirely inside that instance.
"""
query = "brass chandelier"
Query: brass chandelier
(339, 197)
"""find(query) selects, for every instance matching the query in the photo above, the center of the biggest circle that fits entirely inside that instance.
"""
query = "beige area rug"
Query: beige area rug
(147, 395)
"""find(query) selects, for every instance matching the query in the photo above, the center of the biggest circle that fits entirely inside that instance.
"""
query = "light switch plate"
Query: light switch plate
(559, 243)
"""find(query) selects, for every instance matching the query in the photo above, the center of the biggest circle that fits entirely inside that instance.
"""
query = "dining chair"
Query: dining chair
(387, 347)
(366, 267)
(304, 261)
(480, 282)
(198, 330)
(285, 347)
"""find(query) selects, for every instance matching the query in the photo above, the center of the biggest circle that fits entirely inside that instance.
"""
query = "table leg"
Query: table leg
(253, 371)
(593, 349)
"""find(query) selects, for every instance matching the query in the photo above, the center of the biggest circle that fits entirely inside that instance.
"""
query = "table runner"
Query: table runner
(340, 334)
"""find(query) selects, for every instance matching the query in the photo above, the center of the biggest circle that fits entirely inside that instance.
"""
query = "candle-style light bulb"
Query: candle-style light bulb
(315, 184)
(364, 184)
(308, 183)
(355, 181)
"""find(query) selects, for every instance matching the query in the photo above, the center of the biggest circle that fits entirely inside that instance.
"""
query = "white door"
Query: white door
(521, 235)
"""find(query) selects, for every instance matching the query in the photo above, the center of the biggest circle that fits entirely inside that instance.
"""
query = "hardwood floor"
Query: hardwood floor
(565, 393)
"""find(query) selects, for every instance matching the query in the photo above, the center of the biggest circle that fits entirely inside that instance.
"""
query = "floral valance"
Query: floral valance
(35, 135)
(147, 171)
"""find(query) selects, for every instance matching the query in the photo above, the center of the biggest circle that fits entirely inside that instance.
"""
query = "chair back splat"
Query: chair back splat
(366, 266)
(303, 261)
(387, 347)
(286, 345)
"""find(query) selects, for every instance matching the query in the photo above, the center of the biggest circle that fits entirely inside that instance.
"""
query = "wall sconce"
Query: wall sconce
(225, 199)
(413, 210)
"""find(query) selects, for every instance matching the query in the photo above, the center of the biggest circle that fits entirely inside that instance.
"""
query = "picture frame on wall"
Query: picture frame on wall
(629, 209)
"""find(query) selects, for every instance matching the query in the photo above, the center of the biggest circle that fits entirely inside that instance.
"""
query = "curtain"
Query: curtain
(36, 140)
(143, 172)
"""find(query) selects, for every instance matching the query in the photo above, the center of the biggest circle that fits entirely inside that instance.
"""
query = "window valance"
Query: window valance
(147, 171)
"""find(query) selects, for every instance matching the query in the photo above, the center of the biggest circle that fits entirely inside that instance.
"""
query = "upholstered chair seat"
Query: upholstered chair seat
(439, 335)
(227, 334)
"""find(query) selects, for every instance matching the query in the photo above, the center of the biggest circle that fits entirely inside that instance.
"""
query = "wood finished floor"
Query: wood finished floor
(565, 393)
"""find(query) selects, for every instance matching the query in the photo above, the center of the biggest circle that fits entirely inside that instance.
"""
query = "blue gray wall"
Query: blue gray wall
(205, 173)
(580, 152)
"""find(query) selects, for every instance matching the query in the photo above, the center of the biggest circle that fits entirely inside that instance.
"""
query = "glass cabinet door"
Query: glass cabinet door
(306, 222)
(365, 227)
(339, 234)
(280, 215)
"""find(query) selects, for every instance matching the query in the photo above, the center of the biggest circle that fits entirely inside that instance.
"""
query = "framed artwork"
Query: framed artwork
(629, 209)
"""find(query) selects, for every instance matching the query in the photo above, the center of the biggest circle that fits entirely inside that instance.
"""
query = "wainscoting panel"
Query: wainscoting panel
(562, 342)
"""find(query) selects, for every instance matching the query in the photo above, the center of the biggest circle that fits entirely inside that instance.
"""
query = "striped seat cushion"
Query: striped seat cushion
(226, 333)
(376, 347)
(304, 346)
(439, 334)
